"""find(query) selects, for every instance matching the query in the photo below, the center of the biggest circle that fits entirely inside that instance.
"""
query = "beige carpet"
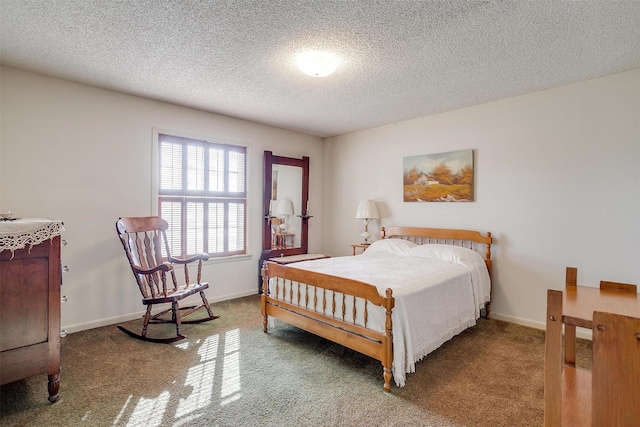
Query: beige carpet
(229, 373)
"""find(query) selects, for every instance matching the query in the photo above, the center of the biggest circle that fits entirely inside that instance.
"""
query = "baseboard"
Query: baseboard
(194, 299)
(580, 332)
(77, 327)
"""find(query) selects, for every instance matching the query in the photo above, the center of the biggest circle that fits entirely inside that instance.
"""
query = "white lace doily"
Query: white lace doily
(19, 233)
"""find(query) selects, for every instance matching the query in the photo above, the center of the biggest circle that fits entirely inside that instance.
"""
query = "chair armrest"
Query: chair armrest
(165, 266)
(199, 257)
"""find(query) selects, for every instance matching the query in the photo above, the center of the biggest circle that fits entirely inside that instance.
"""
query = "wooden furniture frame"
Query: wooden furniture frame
(143, 240)
(318, 315)
(30, 281)
(575, 396)
(268, 251)
(616, 386)
(271, 246)
(579, 303)
(359, 246)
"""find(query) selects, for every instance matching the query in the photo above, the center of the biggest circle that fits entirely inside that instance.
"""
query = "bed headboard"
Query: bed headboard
(466, 238)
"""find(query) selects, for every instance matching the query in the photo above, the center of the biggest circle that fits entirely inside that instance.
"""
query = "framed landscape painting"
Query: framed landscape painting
(441, 177)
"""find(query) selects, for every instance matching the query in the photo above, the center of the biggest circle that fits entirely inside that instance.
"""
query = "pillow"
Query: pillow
(391, 246)
(469, 258)
(449, 253)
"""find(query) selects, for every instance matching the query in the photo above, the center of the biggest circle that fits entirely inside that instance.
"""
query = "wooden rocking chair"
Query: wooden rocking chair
(143, 240)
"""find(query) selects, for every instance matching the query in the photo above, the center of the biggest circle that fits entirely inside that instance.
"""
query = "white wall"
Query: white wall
(84, 155)
(557, 184)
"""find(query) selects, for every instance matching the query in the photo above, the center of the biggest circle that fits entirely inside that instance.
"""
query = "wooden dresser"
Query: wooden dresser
(30, 281)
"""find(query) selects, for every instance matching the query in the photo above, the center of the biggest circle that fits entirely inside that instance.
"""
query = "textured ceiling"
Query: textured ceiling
(398, 59)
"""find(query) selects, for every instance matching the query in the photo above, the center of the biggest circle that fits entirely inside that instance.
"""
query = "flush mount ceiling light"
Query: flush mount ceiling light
(316, 63)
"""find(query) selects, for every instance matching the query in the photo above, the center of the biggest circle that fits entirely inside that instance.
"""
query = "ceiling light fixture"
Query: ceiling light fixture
(316, 63)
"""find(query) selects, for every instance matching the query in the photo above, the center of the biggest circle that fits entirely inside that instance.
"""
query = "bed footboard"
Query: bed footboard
(338, 309)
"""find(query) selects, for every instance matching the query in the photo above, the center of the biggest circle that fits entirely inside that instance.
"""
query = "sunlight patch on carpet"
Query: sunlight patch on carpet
(200, 378)
(231, 368)
(200, 381)
(121, 413)
(149, 412)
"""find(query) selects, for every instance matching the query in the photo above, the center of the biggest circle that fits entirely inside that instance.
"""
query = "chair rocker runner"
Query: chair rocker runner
(143, 240)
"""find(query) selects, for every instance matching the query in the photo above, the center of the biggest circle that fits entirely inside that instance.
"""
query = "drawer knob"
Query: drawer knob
(65, 269)
(64, 242)
(63, 333)
(64, 298)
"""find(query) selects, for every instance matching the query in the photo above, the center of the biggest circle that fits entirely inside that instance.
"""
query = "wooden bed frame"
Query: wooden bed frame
(325, 316)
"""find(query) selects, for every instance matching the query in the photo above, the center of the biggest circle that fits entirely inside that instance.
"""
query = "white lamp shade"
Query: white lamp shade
(285, 207)
(367, 210)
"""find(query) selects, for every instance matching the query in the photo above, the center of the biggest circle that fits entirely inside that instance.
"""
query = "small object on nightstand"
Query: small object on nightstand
(362, 246)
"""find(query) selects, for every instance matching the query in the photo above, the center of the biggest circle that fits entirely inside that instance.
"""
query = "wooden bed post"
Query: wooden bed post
(489, 262)
(487, 254)
(387, 352)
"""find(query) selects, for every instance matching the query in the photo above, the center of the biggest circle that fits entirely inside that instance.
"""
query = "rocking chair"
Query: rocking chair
(143, 240)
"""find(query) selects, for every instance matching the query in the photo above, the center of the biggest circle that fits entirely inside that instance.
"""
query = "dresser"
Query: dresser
(30, 280)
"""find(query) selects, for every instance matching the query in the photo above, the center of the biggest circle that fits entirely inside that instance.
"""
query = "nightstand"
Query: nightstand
(362, 246)
(296, 258)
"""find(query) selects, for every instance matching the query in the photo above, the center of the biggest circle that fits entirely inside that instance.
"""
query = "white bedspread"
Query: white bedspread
(438, 290)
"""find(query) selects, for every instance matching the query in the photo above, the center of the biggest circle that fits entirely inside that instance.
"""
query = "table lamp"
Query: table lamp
(367, 210)
(285, 208)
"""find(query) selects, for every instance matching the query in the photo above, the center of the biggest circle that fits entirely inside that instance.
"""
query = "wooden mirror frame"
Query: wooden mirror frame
(269, 161)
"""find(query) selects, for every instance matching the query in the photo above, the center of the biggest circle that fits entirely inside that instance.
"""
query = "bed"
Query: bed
(406, 295)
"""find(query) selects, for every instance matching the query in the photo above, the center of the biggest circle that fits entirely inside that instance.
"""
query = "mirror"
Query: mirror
(286, 206)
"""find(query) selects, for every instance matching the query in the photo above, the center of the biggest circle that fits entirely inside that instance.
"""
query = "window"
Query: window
(202, 195)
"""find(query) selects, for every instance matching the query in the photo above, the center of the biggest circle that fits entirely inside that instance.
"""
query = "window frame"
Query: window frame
(205, 196)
